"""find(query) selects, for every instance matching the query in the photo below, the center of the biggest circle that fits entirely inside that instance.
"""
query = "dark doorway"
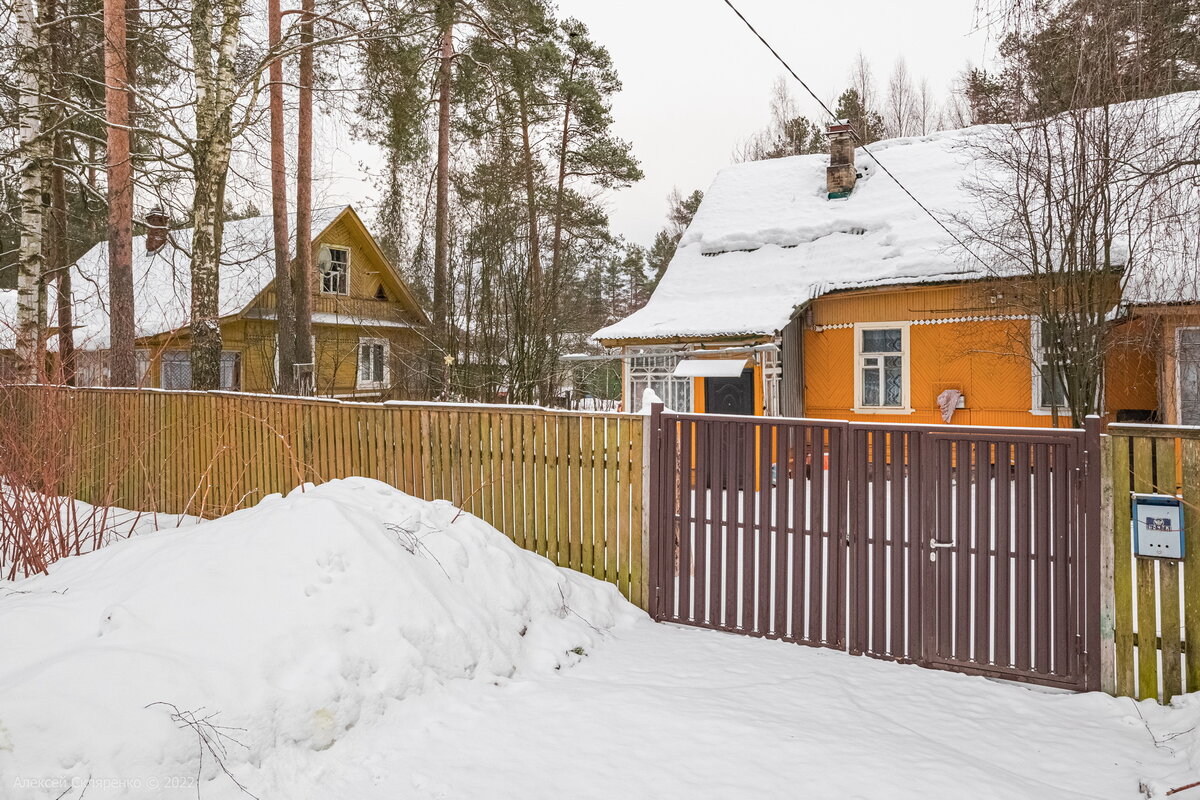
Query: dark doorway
(730, 395)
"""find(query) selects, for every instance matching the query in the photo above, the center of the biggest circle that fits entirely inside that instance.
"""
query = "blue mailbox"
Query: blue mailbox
(1157, 526)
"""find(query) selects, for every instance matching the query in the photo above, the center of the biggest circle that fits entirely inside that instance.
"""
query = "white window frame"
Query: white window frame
(905, 369)
(387, 366)
(1179, 370)
(144, 360)
(772, 375)
(1037, 403)
(647, 366)
(326, 265)
(237, 372)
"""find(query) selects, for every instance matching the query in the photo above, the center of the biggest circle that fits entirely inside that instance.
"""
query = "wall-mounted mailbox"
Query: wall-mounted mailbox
(1157, 526)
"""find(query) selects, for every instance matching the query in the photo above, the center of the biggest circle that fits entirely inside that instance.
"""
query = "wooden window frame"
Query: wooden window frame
(326, 263)
(905, 369)
(386, 344)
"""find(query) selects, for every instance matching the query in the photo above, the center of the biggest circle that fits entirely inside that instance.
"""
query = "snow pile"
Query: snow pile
(266, 635)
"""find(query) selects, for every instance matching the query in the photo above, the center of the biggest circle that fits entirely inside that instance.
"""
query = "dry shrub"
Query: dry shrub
(41, 459)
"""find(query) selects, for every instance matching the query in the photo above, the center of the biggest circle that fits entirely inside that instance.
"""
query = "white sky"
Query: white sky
(696, 81)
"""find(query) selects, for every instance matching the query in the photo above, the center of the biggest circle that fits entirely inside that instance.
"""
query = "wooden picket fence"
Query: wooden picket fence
(564, 484)
(1155, 603)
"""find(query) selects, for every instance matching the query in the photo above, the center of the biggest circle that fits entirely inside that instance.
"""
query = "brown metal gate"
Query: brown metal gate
(971, 549)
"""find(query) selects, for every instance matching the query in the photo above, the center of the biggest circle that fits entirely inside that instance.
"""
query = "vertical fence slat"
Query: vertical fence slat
(1041, 549)
(1147, 661)
(1168, 575)
(1122, 565)
(1190, 458)
(1003, 505)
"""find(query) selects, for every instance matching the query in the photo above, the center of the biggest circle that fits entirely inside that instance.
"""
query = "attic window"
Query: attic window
(381, 293)
(335, 270)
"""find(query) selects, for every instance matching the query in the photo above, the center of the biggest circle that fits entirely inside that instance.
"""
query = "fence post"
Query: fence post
(1094, 547)
(651, 486)
(1108, 598)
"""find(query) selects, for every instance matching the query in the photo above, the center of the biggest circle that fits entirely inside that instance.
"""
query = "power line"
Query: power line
(833, 117)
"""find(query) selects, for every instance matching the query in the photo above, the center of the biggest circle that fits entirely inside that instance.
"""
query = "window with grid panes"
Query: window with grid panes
(881, 359)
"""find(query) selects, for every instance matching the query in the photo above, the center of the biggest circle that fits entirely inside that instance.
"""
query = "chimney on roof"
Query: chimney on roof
(841, 174)
(156, 229)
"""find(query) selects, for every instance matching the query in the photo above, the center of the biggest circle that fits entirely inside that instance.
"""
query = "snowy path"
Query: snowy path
(665, 712)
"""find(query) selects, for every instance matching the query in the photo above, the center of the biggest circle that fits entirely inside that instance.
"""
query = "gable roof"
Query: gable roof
(162, 279)
(766, 239)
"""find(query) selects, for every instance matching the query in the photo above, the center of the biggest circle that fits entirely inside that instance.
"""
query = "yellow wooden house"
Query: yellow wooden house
(802, 289)
(368, 333)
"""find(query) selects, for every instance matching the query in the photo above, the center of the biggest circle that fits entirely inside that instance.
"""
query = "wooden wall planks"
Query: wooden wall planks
(564, 484)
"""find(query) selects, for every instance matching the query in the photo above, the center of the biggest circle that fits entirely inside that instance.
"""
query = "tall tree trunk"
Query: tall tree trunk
(530, 370)
(210, 166)
(441, 235)
(61, 267)
(560, 199)
(122, 362)
(207, 231)
(303, 280)
(31, 261)
(57, 246)
(285, 311)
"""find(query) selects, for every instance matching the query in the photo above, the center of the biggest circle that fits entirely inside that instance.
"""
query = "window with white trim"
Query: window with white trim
(175, 370)
(772, 372)
(1048, 389)
(654, 368)
(335, 270)
(373, 367)
(881, 367)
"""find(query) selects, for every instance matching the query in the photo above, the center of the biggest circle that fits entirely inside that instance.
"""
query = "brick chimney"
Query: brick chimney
(156, 229)
(840, 175)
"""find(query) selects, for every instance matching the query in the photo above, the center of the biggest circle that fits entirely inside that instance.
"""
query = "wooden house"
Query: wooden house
(815, 286)
(367, 324)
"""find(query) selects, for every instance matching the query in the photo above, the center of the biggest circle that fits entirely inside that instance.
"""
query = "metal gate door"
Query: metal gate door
(970, 549)
(1005, 589)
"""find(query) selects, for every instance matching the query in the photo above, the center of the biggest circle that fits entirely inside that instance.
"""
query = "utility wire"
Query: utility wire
(863, 145)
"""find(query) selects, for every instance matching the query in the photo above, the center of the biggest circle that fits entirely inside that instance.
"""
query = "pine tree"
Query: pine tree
(867, 123)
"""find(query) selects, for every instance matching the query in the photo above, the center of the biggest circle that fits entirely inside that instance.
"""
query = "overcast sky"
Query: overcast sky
(696, 81)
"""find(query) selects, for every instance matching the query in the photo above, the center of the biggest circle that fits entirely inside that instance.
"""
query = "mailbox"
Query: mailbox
(1157, 526)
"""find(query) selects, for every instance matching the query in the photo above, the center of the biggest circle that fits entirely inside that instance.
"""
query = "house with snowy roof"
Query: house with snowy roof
(816, 286)
(367, 322)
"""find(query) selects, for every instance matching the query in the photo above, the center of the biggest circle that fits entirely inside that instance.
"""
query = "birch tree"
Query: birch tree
(214, 32)
(31, 76)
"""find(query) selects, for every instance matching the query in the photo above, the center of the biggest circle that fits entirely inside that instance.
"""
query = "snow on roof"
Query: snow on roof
(162, 282)
(766, 239)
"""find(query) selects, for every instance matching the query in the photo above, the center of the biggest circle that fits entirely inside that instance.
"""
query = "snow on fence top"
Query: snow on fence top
(767, 239)
(163, 279)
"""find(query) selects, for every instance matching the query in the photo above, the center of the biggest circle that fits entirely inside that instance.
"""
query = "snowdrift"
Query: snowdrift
(212, 649)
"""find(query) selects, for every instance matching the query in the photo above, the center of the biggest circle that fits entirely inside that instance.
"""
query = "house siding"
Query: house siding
(252, 334)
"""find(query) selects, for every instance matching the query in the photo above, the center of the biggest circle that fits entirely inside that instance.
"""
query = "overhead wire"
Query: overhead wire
(863, 145)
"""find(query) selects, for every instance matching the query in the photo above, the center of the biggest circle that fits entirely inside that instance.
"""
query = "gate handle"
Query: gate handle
(934, 544)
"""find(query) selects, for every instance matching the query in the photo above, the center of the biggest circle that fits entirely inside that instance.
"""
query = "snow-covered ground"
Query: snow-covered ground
(354, 642)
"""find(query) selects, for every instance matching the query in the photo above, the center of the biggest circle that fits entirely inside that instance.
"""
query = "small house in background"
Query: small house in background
(366, 321)
(815, 286)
